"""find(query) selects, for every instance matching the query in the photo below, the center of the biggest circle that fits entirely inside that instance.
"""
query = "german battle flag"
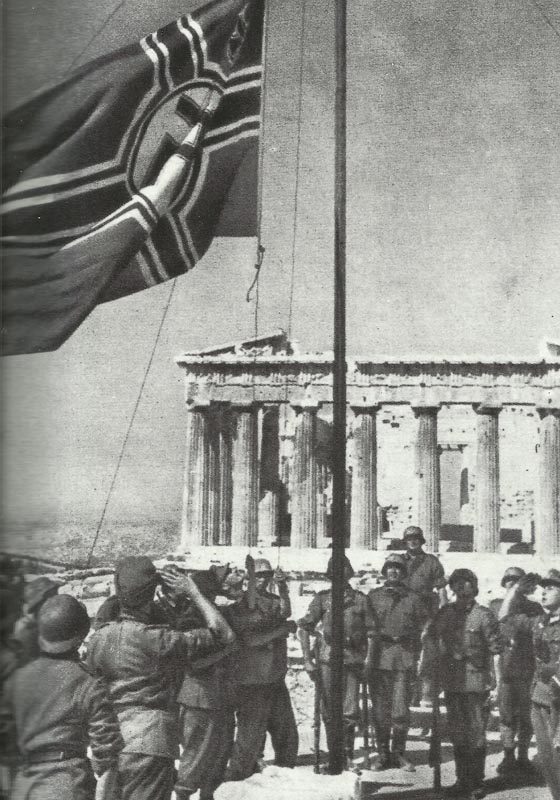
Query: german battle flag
(117, 178)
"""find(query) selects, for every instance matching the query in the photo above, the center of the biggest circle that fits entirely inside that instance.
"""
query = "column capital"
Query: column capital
(489, 407)
(419, 407)
(306, 404)
(199, 404)
(545, 411)
(365, 408)
(243, 405)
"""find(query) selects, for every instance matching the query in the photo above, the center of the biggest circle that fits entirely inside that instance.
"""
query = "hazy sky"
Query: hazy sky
(453, 227)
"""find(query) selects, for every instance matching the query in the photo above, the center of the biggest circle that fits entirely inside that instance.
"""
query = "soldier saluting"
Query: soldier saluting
(467, 636)
(515, 668)
(359, 632)
(545, 696)
(143, 664)
(401, 617)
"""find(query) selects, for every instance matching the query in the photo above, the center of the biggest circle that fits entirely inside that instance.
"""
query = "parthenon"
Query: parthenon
(467, 449)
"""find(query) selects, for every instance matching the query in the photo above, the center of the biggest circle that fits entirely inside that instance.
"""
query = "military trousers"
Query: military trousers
(390, 692)
(72, 779)
(514, 703)
(206, 739)
(467, 719)
(545, 723)
(145, 777)
(282, 727)
(253, 706)
(351, 677)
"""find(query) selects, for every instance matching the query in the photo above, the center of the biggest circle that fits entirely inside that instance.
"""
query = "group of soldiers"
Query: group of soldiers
(190, 669)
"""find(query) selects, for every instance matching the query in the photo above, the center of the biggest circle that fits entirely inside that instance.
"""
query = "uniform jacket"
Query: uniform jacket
(468, 639)
(400, 615)
(517, 661)
(143, 665)
(359, 624)
(257, 665)
(56, 703)
(424, 574)
(545, 630)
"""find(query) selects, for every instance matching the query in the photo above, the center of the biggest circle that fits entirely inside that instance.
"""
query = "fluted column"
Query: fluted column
(363, 515)
(270, 485)
(304, 477)
(195, 497)
(225, 467)
(548, 509)
(427, 473)
(212, 483)
(245, 476)
(487, 488)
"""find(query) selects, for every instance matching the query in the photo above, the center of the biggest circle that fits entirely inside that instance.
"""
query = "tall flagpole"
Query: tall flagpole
(336, 753)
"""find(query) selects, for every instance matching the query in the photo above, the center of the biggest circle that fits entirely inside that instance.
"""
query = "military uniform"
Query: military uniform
(359, 625)
(468, 638)
(424, 573)
(262, 699)
(516, 670)
(56, 708)
(545, 695)
(401, 615)
(206, 720)
(143, 665)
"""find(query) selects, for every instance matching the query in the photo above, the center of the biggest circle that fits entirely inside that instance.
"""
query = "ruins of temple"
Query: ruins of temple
(467, 449)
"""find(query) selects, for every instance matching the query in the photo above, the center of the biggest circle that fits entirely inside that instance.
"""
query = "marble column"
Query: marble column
(212, 485)
(225, 467)
(245, 476)
(548, 496)
(487, 487)
(363, 516)
(304, 476)
(270, 485)
(427, 473)
(322, 505)
(195, 497)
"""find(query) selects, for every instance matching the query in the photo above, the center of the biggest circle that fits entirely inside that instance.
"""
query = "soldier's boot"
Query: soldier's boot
(462, 785)
(523, 762)
(398, 757)
(477, 764)
(349, 735)
(507, 765)
(383, 760)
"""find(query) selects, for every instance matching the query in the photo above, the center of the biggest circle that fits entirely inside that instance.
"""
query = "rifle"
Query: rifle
(317, 712)
(434, 758)
(365, 723)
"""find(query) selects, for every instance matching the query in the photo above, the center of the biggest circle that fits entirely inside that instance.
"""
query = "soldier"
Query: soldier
(57, 708)
(514, 675)
(35, 594)
(9, 662)
(206, 717)
(143, 664)
(467, 637)
(545, 696)
(259, 619)
(425, 576)
(401, 617)
(424, 572)
(359, 634)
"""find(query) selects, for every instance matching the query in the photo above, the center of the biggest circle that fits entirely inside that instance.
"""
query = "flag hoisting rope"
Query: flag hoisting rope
(336, 753)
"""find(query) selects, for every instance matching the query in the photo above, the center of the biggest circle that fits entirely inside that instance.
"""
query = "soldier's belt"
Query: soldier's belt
(51, 754)
(396, 639)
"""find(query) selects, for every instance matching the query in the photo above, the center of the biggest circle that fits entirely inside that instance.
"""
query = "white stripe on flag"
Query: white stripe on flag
(188, 35)
(164, 50)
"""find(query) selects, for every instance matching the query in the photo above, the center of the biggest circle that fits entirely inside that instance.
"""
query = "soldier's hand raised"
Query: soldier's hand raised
(179, 583)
